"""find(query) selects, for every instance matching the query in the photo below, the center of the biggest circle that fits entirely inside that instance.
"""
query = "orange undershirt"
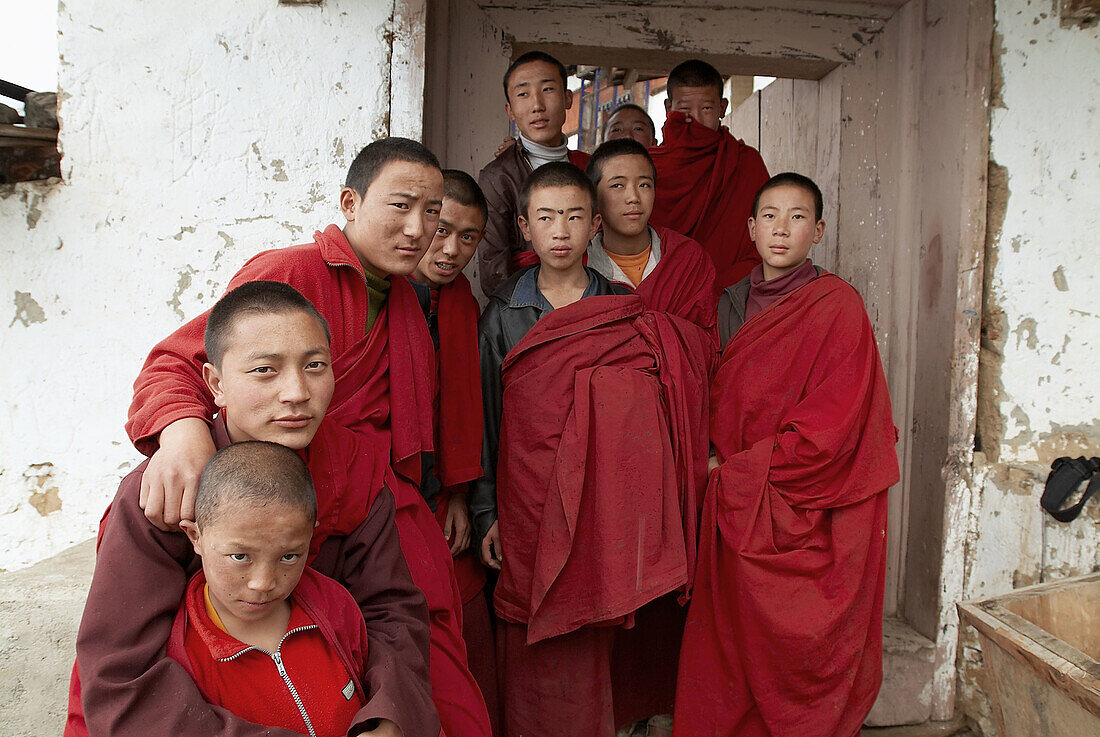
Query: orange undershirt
(210, 611)
(632, 266)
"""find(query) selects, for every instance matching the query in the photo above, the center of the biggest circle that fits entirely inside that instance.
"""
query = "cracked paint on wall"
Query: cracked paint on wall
(27, 310)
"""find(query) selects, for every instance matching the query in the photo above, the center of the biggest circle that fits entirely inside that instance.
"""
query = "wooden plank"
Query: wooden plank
(23, 133)
(744, 122)
(776, 132)
(877, 9)
(810, 39)
(827, 171)
(407, 59)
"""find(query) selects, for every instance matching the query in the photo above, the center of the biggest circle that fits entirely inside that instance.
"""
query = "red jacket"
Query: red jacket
(320, 666)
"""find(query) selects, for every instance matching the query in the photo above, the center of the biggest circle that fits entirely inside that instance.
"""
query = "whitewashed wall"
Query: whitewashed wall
(194, 135)
(1040, 366)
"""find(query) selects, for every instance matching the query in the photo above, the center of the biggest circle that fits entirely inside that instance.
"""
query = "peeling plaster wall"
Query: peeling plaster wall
(1039, 397)
(194, 136)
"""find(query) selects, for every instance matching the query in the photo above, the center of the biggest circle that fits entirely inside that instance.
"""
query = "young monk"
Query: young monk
(630, 121)
(670, 272)
(708, 177)
(536, 97)
(595, 448)
(270, 376)
(452, 314)
(385, 382)
(263, 636)
(784, 634)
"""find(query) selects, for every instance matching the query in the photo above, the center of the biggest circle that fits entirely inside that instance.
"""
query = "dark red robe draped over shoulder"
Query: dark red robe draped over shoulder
(602, 453)
(784, 634)
(460, 422)
(706, 182)
(683, 282)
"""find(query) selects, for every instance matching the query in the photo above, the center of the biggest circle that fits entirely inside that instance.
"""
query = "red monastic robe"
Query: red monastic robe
(458, 462)
(707, 180)
(602, 451)
(683, 283)
(602, 456)
(784, 633)
(385, 382)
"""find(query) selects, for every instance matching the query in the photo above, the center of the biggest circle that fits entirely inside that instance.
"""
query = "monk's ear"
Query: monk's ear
(524, 228)
(752, 229)
(508, 110)
(597, 220)
(819, 231)
(668, 105)
(213, 379)
(189, 528)
(349, 203)
(722, 107)
(568, 98)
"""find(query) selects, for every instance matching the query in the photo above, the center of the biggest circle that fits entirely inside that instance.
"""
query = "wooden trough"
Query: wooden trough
(1040, 647)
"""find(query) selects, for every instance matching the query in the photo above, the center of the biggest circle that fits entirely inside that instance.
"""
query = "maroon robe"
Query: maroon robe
(784, 633)
(683, 283)
(708, 180)
(602, 456)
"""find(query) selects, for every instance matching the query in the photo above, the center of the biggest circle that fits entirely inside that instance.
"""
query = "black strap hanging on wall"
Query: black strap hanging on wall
(1066, 474)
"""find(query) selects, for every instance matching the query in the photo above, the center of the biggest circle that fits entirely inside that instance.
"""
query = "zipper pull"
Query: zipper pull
(278, 658)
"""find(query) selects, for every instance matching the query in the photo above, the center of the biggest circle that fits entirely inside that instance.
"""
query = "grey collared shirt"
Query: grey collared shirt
(527, 293)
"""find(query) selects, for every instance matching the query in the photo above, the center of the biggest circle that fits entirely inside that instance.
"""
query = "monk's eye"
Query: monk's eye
(262, 370)
(290, 557)
(315, 365)
(238, 557)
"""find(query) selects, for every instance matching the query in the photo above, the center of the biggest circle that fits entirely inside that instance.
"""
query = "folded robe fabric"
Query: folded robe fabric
(602, 455)
(683, 282)
(706, 182)
(460, 421)
(784, 633)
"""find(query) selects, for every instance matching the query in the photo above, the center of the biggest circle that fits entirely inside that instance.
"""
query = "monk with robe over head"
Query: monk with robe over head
(595, 445)
(386, 382)
(452, 314)
(536, 97)
(270, 377)
(669, 271)
(707, 177)
(784, 632)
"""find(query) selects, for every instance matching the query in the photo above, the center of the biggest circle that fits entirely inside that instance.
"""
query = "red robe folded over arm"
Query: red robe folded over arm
(683, 283)
(706, 182)
(602, 451)
(784, 634)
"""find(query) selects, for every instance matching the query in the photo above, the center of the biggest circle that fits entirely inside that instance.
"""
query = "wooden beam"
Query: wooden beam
(740, 41)
(879, 9)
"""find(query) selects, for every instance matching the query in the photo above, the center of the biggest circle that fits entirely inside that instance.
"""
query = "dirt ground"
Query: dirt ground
(40, 609)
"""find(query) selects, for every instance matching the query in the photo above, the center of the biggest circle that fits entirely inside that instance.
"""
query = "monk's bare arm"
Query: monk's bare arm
(129, 686)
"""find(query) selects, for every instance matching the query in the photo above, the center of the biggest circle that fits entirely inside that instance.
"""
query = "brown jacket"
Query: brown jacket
(501, 180)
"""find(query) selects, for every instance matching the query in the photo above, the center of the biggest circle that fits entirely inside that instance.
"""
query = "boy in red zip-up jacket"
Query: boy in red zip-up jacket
(260, 634)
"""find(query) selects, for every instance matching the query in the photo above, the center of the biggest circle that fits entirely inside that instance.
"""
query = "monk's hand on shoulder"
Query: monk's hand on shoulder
(506, 144)
(491, 554)
(712, 464)
(171, 479)
(384, 728)
(457, 527)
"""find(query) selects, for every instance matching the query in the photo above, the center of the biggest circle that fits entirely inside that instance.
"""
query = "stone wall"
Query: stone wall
(193, 135)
